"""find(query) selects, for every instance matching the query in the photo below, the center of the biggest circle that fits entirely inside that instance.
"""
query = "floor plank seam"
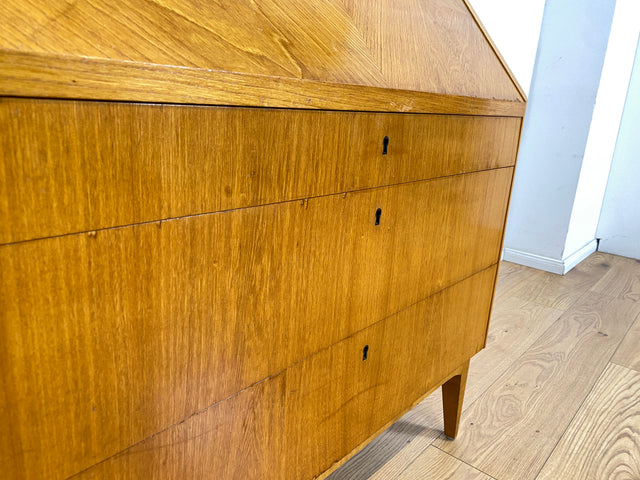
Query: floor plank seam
(623, 366)
(631, 325)
(610, 360)
(575, 413)
(415, 457)
(542, 304)
(466, 463)
(421, 451)
(563, 278)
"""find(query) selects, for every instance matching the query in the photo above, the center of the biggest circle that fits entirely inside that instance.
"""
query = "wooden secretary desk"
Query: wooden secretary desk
(239, 238)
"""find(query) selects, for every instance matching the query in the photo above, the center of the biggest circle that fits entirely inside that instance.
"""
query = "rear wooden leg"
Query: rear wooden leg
(452, 395)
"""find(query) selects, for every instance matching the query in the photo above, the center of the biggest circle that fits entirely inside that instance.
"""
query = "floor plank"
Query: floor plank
(434, 464)
(628, 353)
(510, 275)
(406, 456)
(561, 292)
(603, 440)
(512, 428)
(515, 325)
(622, 281)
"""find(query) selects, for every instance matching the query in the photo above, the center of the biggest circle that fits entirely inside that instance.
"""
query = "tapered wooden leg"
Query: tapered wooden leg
(452, 395)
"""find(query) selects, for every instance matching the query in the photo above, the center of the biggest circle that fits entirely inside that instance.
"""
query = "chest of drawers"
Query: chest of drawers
(224, 274)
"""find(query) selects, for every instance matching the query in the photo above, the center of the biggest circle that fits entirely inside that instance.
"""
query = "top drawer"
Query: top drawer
(73, 166)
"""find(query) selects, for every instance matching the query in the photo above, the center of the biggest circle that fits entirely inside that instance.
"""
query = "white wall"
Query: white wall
(570, 56)
(619, 227)
(514, 27)
(603, 131)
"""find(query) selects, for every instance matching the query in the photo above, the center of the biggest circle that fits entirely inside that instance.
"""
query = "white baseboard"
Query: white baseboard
(547, 264)
(579, 255)
(535, 261)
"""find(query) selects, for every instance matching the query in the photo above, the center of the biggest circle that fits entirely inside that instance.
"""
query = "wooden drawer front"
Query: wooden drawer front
(298, 423)
(69, 166)
(116, 335)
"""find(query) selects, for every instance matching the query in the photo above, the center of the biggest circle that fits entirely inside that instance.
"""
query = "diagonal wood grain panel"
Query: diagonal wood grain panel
(416, 36)
(432, 46)
(234, 37)
(267, 38)
(369, 22)
(330, 50)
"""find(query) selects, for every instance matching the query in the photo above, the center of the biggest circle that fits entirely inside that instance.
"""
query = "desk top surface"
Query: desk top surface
(335, 54)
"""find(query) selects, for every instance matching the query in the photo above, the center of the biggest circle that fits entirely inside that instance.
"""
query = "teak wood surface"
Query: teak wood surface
(41, 75)
(162, 304)
(362, 56)
(70, 167)
(208, 287)
(324, 392)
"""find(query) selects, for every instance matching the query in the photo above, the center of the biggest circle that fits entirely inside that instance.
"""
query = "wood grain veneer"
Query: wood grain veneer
(187, 288)
(496, 52)
(399, 45)
(63, 172)
(162, 306)
(53, 76)
(365, 394)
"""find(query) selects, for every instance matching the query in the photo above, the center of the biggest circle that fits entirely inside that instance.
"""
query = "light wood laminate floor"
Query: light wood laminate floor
(555, 395)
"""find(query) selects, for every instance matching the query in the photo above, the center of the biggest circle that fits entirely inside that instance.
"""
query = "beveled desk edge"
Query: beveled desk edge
(55, 76)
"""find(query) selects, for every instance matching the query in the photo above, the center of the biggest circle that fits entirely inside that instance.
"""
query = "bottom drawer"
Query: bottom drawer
(299, 422)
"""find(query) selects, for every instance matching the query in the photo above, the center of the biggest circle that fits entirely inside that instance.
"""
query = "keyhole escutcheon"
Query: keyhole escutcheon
(378, 215)
(365, 352)
(385, 145)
